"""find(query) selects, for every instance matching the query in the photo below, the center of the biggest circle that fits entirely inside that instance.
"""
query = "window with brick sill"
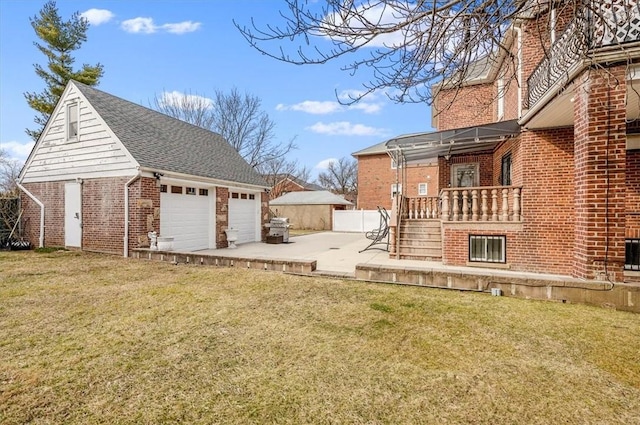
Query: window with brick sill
(487, 249)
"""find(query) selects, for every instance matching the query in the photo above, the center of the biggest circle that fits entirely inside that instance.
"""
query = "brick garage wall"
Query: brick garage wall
(544, 241)
(375, 177)
(222, 216)
(103, 215)
(51, 194)
(144, 211)
(465, 107)
(264, 211)
(632, 203)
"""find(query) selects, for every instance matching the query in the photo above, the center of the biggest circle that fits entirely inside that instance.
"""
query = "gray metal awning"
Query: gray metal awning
(419, 146)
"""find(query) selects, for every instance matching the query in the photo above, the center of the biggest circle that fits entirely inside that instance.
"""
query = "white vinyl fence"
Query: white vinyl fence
(355, 220)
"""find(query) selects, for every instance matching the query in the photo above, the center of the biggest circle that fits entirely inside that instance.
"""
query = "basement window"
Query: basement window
(487, 249)
(176, 189)
(191, 190)
(632, 254)
(204, 192)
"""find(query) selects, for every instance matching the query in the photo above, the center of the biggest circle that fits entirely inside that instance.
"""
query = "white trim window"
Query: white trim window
(422, 189)
(487, 249)
(501, 94)
(396, 189)
(72, 121)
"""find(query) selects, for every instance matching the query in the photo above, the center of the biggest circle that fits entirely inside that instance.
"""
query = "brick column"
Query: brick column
(600, 149)
(222, 216)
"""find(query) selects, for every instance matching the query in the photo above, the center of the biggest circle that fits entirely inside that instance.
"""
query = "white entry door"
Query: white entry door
(73, 215)
(244, 215)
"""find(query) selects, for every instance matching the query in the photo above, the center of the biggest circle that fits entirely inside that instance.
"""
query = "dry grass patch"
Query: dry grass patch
(97, 339)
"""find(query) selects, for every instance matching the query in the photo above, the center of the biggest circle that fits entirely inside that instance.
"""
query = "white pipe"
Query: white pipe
(30, 195)
(519, 70)
(126, 213)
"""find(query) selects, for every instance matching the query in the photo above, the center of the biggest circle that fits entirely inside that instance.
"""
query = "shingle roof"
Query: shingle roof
(160, 142)
(320, 197)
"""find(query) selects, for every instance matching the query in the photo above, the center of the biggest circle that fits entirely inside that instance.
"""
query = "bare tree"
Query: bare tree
(340, 177)
(404, 48)
(238, 118)
(276, 170)
(9, 172)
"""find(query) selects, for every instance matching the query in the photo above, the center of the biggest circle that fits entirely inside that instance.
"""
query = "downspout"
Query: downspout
(518, 31)
(30, 195)
(126, 213)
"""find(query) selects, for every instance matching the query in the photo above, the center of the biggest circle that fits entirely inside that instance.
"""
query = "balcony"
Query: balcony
(489, 204)
(614, 23)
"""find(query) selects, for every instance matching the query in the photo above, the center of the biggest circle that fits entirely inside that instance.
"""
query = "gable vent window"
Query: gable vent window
(204, 192)
(72, 121)
(487, 249)
(176, 189)
(191, 191)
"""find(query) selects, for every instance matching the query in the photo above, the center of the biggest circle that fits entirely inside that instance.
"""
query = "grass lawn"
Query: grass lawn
(94, 339)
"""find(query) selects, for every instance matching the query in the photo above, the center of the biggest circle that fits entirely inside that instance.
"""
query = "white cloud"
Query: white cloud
(329, 107)
(147, 26)
(97, 16)
(18, 151)
(182, 27)
(345, 128)
(139, 25)
(324, 164)
(176, 98)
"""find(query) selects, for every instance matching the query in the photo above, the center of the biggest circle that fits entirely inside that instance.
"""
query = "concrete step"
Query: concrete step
(421, 250)
(419, 257)
(431, 243)
(421, 236)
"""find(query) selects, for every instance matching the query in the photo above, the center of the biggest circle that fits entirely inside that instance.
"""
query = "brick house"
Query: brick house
(106, 171)
(545, 174)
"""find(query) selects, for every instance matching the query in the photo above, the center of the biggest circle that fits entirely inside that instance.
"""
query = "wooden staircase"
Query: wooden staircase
(420, 239)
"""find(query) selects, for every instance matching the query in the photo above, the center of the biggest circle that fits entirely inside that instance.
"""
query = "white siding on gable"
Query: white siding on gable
(96, 152)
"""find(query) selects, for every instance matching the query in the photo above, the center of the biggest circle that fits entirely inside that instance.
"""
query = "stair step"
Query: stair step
(421, 250)
(427, 243)
(421, 236)
(419, 257)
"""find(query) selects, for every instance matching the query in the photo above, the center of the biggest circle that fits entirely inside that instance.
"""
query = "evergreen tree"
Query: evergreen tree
(59, 39)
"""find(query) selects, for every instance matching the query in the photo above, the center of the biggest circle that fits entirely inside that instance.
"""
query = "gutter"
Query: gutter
(126, 213)
(30, 195)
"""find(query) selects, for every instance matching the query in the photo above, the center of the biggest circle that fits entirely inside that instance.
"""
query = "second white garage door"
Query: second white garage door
(244, 215)
(187, 216)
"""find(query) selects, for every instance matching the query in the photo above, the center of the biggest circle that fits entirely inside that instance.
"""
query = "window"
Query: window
(465, 175)
(505, 173)
(252, 196)
(163, 188)
(72, 121)
(243, 196)
(422, 189)
(487, 249)
(235, 195)
(394, 165)
(396, 189)
(176, 189)
(204, 192)
(191, 190)
(632, 254)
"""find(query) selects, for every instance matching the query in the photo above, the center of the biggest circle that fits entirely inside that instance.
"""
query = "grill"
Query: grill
(278, 230)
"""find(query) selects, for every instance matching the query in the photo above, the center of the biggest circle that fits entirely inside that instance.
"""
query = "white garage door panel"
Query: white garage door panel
(243, 215)
(187, 218)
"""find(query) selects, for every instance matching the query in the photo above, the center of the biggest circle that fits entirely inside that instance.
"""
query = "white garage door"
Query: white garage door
(244, 215)
(186, 214)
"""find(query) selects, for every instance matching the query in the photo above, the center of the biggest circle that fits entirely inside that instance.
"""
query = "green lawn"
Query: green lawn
(99, 339)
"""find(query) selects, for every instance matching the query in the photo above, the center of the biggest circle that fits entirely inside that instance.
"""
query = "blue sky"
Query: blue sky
(152, 47)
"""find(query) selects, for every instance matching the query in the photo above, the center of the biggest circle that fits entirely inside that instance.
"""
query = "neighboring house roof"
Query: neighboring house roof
(160, 142)
(303, 184)
(372, 150)
(321, 197)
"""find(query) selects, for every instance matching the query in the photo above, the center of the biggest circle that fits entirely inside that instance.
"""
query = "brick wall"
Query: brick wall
(144, 211)
(465, 107)
(484, 159)
(51, 194)
(375, 177)
(632, 204)
(222, 216)
(600, 156)
(103, 215)
(264, 214)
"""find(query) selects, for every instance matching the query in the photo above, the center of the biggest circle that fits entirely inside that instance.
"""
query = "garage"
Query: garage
(244, 215)
(186, 213)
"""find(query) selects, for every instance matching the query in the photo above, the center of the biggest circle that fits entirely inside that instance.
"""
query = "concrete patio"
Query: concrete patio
(337, 254)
